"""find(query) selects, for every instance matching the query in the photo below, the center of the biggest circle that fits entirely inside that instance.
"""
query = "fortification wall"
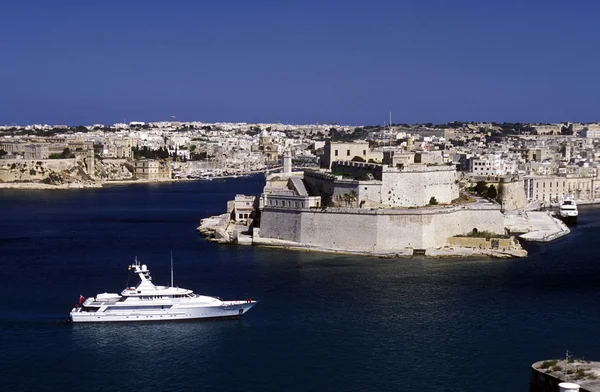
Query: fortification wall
(512, 195)
(378, 230)
(319, 184)
(339, 230)
(416, 188)
(281, 224)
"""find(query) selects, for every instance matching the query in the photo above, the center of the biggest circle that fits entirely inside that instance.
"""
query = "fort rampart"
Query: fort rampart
(379, 230)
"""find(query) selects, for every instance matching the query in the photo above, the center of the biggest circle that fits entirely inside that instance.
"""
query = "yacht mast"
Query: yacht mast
(171, 268)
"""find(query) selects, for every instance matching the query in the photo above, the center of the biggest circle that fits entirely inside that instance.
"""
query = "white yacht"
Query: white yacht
(568, 210)
(147, 302)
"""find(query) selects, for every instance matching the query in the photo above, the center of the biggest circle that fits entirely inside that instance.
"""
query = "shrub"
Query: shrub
(433, 201)
(580, 373)
(548, 364)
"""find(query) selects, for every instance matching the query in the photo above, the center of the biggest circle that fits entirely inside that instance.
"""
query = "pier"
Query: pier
(535, 226)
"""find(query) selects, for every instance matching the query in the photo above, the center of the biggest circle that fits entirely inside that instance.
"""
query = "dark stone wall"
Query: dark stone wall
(542, 382)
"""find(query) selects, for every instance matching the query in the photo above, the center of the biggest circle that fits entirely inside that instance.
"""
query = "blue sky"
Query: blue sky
(81, 62)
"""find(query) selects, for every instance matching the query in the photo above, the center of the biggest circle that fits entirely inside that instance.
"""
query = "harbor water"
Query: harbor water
(337, 323)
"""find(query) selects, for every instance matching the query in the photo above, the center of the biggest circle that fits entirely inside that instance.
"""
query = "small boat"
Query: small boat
(568, 211)
(147, 302)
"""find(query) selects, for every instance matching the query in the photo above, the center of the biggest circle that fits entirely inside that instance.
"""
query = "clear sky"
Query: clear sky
(82, 62)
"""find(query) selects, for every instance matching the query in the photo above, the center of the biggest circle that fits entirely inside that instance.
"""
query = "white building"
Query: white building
(492, 165)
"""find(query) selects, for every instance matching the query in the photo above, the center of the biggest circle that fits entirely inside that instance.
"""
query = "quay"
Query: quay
(535, 226)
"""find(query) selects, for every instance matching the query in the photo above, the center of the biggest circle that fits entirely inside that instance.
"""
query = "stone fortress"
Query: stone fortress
(407, 204)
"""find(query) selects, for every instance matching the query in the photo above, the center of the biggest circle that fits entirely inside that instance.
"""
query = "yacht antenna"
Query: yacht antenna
(171, 268)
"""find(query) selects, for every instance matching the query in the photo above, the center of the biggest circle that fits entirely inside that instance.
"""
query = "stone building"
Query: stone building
(268, 150)
(242, 208)
(553, 189)
(365, 185)
(150, 169)
(344, 151)
(366, 207)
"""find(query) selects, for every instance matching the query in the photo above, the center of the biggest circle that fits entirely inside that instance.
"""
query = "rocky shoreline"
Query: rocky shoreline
(80, 185)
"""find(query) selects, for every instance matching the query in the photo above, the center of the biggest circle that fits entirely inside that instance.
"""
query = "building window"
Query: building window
(364, 152)
(336, 153)
(348, 152)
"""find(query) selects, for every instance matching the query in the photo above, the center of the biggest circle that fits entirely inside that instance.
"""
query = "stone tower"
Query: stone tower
(91, 164)
(287, 162)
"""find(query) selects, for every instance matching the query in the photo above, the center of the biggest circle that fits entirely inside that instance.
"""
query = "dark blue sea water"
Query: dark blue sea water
(340, 323)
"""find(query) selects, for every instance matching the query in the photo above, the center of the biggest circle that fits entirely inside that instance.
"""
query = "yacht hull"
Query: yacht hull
(113, 314)
(570, 220)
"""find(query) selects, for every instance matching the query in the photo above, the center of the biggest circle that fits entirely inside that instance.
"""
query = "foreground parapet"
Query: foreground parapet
(565, 376)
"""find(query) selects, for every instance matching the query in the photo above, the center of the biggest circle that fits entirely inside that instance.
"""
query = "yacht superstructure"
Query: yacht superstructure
(568, 210)
(147, 302)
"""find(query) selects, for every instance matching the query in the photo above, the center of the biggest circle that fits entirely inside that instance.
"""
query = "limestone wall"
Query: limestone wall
(413, 186)
(512, 195)
(416, 188)
(281, 224)
(378, 230)
(30, 170)
(323, 229)
(319, 184)
(482, 243)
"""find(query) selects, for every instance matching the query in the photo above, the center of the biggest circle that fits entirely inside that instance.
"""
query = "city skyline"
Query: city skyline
(266, 62)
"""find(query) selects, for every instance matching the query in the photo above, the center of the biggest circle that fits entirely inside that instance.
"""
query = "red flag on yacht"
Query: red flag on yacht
(81, 298)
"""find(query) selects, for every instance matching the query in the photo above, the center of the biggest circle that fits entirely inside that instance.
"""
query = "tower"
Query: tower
(287, 162)
(91, 164)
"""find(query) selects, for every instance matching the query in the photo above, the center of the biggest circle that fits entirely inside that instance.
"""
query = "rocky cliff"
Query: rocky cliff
(64, 171)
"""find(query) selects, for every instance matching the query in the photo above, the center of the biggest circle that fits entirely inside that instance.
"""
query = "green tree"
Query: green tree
(480, 188)
(433, 201)
(492, 193)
